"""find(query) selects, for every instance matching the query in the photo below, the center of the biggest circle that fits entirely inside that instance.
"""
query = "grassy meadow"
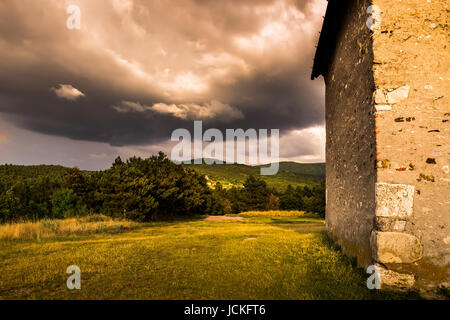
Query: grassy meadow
(271, 255)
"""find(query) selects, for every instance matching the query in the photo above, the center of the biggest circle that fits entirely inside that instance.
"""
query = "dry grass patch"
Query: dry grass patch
(78, 226)
(274, 213)
(222, 218)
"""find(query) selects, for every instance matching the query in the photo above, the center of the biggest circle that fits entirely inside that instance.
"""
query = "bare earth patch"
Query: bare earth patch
(222, 218)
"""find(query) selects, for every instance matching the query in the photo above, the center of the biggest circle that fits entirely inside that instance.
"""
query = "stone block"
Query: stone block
(394, 200)
(394, 280)
(397, 95)
(380, 98)
(383, 107)
(399, 225)
(389, 224)
(395, 247)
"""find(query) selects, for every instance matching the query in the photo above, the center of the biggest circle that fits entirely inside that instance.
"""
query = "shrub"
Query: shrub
(65, 204)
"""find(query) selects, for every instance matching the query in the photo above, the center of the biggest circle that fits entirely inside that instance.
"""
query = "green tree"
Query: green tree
(291, 199)
(255, 194)
(66, 203)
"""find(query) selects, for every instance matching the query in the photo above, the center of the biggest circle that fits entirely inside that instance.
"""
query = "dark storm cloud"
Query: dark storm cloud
(230, 63)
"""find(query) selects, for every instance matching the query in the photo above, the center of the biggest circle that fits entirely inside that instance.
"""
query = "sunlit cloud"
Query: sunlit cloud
(214, 109)
(304, 145)
(66, 91)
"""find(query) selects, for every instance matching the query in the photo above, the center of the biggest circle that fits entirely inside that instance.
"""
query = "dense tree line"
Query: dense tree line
(138, 189)
(257, 196)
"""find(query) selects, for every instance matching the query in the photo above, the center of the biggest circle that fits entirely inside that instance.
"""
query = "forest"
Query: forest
(142, 190)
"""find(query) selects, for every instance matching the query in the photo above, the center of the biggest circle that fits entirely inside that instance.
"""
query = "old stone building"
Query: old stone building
(386, 67)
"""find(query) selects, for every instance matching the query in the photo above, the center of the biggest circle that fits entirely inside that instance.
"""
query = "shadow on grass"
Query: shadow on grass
(359, 272)
(338, 277)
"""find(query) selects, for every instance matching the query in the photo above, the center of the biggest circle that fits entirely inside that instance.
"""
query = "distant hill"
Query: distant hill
(312, 169)
(294, 173)
(10, 174)
(32, 172)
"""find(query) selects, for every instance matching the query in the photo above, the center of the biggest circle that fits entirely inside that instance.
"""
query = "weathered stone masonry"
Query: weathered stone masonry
(388, 137)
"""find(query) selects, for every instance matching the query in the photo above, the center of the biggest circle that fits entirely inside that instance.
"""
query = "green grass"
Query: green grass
(260, 257)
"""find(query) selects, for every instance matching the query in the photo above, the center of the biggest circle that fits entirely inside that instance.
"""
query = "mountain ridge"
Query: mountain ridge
(290, 172)
(229, 175)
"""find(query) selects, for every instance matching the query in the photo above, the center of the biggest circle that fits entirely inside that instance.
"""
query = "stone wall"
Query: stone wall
(388, 139)
(351, 142)
(412, 78)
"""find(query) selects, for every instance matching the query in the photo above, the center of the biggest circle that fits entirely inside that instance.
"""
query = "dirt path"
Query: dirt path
(222, 218)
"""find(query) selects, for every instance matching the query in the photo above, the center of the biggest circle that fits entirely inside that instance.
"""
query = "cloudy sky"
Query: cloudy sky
(139, 69)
